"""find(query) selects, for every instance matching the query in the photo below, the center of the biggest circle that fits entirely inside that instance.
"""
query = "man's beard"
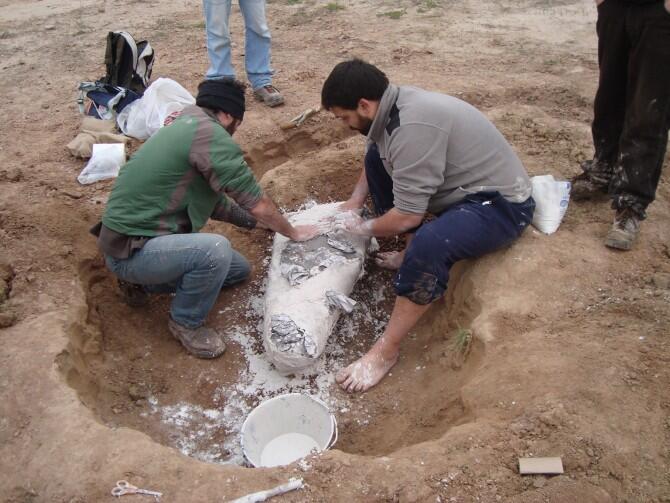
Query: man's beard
(365, 128)
(231, 128)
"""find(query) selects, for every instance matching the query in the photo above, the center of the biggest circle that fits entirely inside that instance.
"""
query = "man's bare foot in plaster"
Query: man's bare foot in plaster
(390, 260)
(368, 370)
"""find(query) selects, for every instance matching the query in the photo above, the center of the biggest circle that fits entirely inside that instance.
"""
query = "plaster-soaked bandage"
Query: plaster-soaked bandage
(298, 316)
(336, 300)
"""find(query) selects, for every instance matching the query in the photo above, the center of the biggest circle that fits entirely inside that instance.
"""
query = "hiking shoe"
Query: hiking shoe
(201, 342)
(132, 294)
(624, 230)
(585, 188)
(269, 95)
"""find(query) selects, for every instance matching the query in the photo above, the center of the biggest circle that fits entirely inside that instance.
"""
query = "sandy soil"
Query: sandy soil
(570, 355)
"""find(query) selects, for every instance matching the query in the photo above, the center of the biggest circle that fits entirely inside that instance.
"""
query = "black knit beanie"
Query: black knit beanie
(225, 95)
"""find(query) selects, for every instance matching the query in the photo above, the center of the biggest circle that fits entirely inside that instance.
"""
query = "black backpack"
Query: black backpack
(128, 63)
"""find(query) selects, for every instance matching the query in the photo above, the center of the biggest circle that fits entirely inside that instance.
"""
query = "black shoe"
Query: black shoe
(132, 294)
(624, 230)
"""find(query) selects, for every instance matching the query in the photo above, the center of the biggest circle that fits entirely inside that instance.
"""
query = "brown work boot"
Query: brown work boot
(624, 230)
(269, 95)
(202, 342)
(132, 294)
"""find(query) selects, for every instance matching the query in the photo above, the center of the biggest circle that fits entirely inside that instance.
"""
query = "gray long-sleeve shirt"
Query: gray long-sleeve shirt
(438, 149)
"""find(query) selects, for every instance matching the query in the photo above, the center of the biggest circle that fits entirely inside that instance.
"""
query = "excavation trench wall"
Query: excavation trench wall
(130, 372)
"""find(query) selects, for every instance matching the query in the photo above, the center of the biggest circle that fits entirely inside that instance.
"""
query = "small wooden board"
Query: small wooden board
(543, 466)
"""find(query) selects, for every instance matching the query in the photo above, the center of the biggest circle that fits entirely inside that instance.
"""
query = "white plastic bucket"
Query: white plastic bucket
(286, 428)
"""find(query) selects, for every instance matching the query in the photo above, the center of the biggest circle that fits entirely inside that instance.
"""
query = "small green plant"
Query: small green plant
(394, 14)
(431, 4)
(293, 2)
(334, 6)
(463, 341)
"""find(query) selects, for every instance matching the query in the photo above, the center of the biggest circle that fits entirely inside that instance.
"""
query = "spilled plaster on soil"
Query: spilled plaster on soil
(193, 428)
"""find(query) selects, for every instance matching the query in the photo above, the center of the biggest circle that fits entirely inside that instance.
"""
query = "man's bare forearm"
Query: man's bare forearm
(392, 223)
(267, 213)
(361, 190)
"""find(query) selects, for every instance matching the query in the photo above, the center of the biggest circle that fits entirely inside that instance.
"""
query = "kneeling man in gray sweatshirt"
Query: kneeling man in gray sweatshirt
(427, 153)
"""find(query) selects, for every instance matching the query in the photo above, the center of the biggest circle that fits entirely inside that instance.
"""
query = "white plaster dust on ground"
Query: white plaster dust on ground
(195, 431)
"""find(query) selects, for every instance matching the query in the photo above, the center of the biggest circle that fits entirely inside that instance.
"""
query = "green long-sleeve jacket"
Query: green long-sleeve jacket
(182, 176)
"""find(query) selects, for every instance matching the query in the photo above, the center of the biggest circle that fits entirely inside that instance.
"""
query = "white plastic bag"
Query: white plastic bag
(143, 117)
(551, 202)
(105, 162)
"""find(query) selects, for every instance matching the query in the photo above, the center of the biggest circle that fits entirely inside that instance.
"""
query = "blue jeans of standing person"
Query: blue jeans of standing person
(193, 266)
(257, 41)
(479, 224)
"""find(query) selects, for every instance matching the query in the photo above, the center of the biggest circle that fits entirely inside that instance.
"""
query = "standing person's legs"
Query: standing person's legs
(257, 43)
(217, 14)
(645, 133)
(480, 224)
(257, 52)
(610, 101)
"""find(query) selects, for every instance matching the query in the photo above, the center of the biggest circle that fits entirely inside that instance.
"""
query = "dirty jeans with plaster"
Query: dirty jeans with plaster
(257, 41)
(192, 266)
(632, 104)
(479, 224)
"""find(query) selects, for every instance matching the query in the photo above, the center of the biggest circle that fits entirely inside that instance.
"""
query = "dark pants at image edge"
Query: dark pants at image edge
(632, 104)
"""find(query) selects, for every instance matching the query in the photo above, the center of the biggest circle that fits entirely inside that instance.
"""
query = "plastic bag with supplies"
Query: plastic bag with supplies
(105, 162)
(142, 118)
(551, 202)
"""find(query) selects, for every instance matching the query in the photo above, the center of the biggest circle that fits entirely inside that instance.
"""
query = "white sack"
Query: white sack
(304, 306)
(144, 116)
(551, 202)
(105, 162)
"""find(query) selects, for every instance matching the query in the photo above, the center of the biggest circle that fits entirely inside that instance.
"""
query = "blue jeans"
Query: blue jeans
(193, 266)
(257, 41)
(477, 225)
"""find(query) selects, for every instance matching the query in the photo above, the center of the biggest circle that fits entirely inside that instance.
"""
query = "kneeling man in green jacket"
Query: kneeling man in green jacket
(188, 172)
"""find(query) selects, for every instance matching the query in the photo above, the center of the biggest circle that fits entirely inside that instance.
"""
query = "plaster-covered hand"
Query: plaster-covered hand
(266, 212)
(352, 204)
(352, 222)
(304, 232)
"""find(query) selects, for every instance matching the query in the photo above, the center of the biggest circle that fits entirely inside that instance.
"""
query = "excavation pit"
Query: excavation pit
(132, 373)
